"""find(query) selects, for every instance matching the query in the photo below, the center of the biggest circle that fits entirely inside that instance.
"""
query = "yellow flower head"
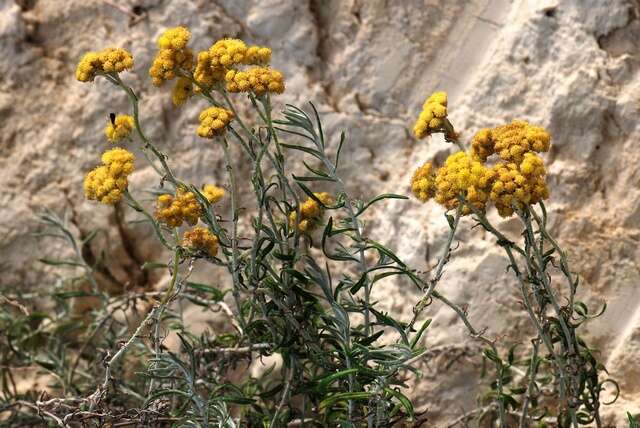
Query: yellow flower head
(518, 185)
(463, 176)
(213, 193)
(311, 212)
(423, 182)
(200, 238)
(205, 73)
(119, 128)
(213, 64)
(173, 211)
(227, 52)
(174, 38)
(173, 55)
(214, 121)
(167, 62)
(110, 60)
(258, 80)
(182, 90)
(482, 145)
(511, 141)
(118, 160)
(257, 55)
(433, 115)
(108, 182)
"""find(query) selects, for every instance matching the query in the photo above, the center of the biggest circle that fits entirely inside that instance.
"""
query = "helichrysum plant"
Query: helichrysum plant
(299, 278)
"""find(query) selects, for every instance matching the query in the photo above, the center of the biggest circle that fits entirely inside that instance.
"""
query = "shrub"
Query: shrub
(300, 275)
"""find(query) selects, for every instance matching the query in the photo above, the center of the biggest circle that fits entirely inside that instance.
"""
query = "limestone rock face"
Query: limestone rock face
(568, 65)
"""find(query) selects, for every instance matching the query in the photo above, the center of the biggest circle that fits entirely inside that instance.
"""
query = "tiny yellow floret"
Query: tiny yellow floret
(214, 121)
(120, 128)
(201, 239)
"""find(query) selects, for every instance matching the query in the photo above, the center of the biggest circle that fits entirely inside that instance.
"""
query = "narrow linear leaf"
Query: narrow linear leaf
(324, 382)
(378, 199)
(344, 396)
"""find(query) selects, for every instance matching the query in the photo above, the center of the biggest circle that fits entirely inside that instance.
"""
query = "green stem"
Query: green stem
(545, 282)
(533, 370)
(174, 278)
(508, 246)
(564, 263)
(358, 232)
(234, 233)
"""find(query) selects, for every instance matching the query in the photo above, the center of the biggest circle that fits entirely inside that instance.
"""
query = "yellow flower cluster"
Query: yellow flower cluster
(517, 180)
(433, 115)
(258, 80)
(462, 175)
(200, 238)
(310, 212)
(511, 141)
(119, 128)
(213, 193)
(174, 38)
(213, 121)
(519, 185)
(213, 64)
(257, 55)
(110, 60)
(108, 182)
(172, 56)
(205, 74)
(173, 211)
(226, 53)
(482, 145)
(182, 90)
(423, 182)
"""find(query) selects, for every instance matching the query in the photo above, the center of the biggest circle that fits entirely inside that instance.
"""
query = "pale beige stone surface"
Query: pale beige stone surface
(569, 65)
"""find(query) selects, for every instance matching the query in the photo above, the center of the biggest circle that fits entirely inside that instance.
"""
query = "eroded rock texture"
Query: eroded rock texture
(569, 65)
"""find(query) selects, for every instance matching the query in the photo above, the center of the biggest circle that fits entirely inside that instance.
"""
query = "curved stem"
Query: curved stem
(533, 370)
(508, 246)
